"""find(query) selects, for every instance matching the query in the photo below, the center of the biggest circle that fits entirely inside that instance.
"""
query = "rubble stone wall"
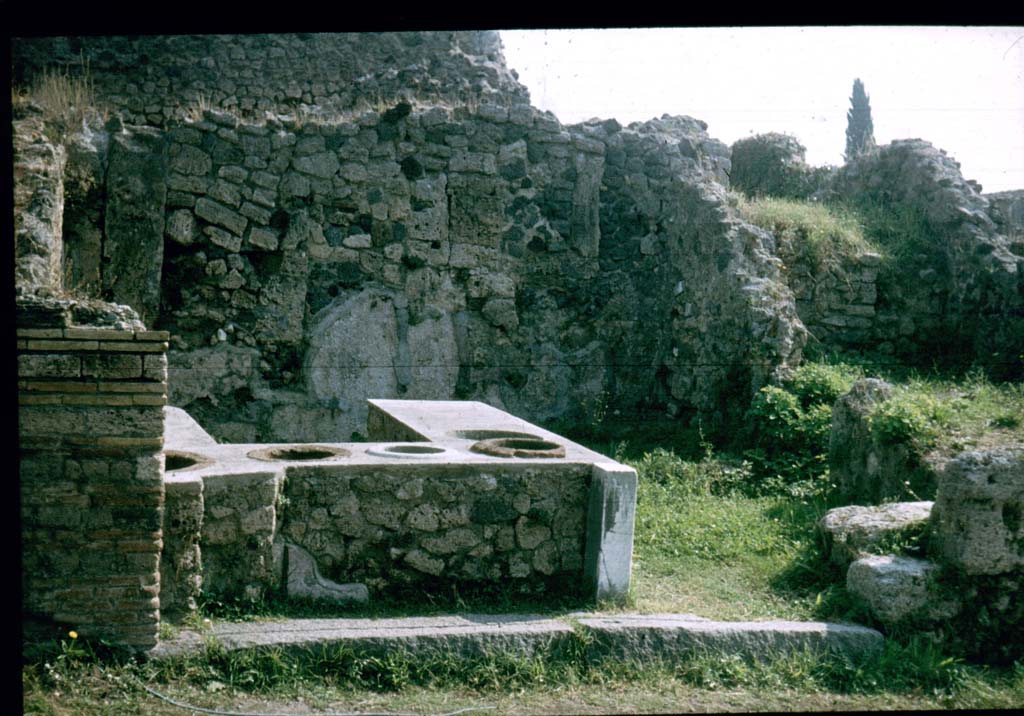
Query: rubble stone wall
(399, 525)
(90, 424)
(961, 293)
(153, 79)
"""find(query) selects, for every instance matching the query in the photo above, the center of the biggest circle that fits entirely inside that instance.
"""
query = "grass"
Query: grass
(824, 235)
(916, 675)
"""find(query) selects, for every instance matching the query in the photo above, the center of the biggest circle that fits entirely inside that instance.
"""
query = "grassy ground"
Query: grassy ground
(713, 537)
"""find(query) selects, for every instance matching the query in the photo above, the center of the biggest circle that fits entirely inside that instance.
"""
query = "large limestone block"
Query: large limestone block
(978, 520)
(852, 532)
(898, 589)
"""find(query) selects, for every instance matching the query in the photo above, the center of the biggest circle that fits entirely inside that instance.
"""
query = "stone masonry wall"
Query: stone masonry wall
(91, 474)
(836, 303)
(475, 249)
(38, 204)
(399, 525)
(961, 293)
(153, 79)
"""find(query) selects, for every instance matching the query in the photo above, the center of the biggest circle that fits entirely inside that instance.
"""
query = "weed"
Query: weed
(65, 100)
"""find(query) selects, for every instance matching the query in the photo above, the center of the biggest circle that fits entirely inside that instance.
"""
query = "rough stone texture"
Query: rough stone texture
(1007, 211)
(854, 531)
(38, 204)
(425, 524)
(393, 278)
(866, 469)
(303, 580)
(771, 164)
(977, 521)
(134, 221)
(152, 78)
(901, 590)
(85, 186)
(521, 259)
(181, 568)
(963, 293)
(463, 635)
(669, 636)
(239, 526)
(835, 302)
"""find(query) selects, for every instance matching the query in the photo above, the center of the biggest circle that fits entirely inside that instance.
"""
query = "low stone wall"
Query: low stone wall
(91, 433)
(399, 524)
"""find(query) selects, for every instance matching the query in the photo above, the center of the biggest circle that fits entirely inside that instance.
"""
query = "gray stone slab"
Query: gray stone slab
(854, 531)
(465, 635)
(608, 557)
(671, 636)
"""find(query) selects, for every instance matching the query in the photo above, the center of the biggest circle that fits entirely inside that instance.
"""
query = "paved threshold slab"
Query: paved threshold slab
(466, 635)
(647, 636)
(622, 636)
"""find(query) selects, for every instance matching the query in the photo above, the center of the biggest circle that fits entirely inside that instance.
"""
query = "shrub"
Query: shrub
(771, 165)
(790, 426)
(910, 417)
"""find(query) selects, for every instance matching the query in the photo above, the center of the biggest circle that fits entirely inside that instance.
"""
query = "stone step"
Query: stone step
(854, 531)
(620, 636)
(643, 637)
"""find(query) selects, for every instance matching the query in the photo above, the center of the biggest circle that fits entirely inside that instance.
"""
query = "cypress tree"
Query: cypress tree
(860, 132)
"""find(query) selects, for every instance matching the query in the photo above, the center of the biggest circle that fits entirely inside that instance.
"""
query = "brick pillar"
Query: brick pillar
(91, 438)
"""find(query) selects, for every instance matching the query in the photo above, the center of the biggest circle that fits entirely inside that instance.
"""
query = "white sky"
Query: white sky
(960, 88)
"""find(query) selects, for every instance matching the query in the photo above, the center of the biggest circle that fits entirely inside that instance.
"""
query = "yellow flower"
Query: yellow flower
(73, 634)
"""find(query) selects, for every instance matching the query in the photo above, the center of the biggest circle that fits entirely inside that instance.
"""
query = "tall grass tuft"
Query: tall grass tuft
(824, 235)
(64, 99)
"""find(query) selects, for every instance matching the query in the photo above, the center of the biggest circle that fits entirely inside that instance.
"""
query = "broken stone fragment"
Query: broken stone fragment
(305, 581)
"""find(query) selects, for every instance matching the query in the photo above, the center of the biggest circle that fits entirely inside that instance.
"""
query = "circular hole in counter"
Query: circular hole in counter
(295, 453)
(491, 434)
(179, 460)
(412, 450)
(519, 447)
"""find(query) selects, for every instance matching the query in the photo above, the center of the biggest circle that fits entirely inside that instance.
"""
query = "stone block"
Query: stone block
(221, 215)
(854, 531)
(49, 366)
(900, 589)
(671, 636)
(978, 519)
(609, 532)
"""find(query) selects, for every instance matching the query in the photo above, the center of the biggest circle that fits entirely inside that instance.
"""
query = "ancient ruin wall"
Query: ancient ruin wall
(90, 420)
(962, 295)
(480, 252)
(154, 79)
